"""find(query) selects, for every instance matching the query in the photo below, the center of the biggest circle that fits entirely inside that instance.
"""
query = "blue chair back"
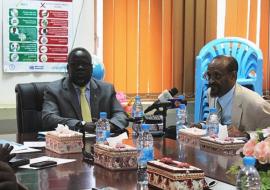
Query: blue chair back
(250, 74)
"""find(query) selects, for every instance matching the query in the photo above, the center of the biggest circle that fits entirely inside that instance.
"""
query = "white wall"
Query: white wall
(84, 38)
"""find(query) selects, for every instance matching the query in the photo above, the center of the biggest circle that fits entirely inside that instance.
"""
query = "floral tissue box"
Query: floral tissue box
(191, 135)
(120, 157)
(64, 141)
(174, 175)
(229, 146)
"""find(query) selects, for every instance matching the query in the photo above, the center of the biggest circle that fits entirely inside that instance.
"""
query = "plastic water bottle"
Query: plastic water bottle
(145, 154)
(212, 122)
(137, 108)
(145, 146)
(137, 113)
(102, 128)
(248, 177)
(142, 179)
(181, 116)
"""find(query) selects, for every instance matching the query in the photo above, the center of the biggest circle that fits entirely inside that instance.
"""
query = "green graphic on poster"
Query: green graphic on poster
(22, 57)
(23, 12)
(23, 34)
(22, 47)
(14, 21)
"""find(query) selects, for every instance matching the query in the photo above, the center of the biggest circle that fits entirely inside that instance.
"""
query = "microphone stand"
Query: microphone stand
(162, 112)
(88, 157)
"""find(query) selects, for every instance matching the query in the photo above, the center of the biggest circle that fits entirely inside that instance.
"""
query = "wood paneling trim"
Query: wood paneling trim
(253, 21)
(189, 38)
(236, 18)
(200, 25)
(133, 45)
(178, 43)
(120, 45)
(108, 39)
(264, 42)
(211, 20)
(166, 44)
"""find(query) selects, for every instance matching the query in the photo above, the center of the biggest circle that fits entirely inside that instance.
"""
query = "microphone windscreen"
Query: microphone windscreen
(164, 96)
(173, 91)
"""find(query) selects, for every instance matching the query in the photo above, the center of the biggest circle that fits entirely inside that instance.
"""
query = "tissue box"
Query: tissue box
(64, 143)
(175, 175)
(115, 158)
(228, 147)
(191, 135)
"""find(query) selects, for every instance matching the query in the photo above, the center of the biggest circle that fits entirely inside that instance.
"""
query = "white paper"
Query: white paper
(118, 139)
(46, 158)
(89, 135)
(25, 150)
(222, 132)
(35, 143)
(43, 132)
(16, 146)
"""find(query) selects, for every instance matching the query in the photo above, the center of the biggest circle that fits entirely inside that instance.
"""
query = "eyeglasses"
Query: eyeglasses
(213, 75)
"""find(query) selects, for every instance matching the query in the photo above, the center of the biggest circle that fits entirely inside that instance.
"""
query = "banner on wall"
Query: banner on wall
(36, 35)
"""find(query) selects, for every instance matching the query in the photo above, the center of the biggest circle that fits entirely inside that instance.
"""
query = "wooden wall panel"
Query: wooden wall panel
(166, 44)
(264, 42)
(189, 33)
(253, 21)
(144, 46)
(236, 18)
(177, 43)
(211, 20)
(132, 46)
(120, 44)
(200, 25)
(108, 39)
(154, 71)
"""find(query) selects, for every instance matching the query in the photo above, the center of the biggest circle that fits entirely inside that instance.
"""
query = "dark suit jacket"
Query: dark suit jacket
(61, 105)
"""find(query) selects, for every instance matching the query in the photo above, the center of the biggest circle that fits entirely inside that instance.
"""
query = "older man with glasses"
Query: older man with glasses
(240, 109)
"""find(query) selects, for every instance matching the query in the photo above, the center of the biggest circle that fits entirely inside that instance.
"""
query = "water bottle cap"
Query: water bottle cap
(181, 97)
(145, 127)
(182, 106)
(103, 115)
(212, 110)
(249, 161)
(137, 97)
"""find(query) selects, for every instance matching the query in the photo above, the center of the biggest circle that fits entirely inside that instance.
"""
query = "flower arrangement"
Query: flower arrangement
(126, 104)
(258, 146)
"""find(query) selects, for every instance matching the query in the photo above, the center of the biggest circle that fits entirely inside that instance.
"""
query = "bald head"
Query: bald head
(222, 74)
(79, 66)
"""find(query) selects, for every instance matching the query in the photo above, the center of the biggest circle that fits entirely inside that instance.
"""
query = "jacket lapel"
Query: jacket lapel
(71, 96)
(237, 106)
(94, 94)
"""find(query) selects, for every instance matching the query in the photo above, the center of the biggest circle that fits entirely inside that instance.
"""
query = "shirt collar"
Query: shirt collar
(78, 87)
(225, 99)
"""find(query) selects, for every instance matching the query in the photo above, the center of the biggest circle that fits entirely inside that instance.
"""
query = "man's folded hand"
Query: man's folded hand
(233, 131)
(90, 127)
(5, 150)
(197, 125)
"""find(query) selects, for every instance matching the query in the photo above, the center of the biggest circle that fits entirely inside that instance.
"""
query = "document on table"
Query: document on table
(46, 158)
(18, 148)
(37, 144)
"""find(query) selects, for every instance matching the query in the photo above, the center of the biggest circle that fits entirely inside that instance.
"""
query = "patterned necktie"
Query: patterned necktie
(85, 108)
(219, 111)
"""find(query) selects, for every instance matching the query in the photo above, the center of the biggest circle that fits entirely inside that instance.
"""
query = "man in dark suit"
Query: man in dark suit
(64, 103)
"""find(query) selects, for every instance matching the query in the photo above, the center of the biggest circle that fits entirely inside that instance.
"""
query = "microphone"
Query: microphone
(163, 97)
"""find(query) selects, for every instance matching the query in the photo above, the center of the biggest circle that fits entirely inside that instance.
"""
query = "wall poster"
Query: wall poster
(36, 35)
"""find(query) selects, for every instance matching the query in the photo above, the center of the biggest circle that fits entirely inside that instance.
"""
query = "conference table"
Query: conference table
(82, 175)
